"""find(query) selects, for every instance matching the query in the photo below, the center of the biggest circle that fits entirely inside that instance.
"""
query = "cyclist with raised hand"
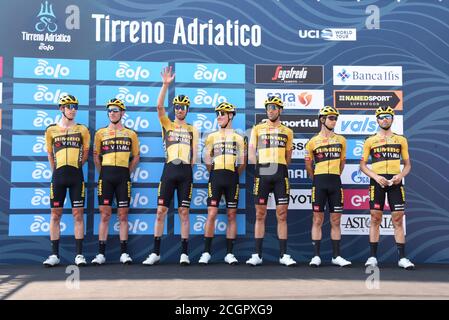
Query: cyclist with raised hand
(181, 147)
(225, 160)
(68, 149)
(116, 155)
(386, 150)
(328, 151)
(270, 148)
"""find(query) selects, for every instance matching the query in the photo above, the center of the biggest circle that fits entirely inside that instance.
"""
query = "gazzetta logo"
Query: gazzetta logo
(124, 71)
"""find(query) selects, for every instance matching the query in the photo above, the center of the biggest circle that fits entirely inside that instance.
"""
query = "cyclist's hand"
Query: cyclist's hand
(167, 75)
(383, 182)
(396, 179)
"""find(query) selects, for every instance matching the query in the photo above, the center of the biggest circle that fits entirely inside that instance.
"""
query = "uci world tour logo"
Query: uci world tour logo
(47, 19)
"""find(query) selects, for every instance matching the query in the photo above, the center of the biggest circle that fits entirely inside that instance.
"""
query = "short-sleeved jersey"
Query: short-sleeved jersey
(115, 147)
(386, 153)
(225, 148)
(179, 140)
(271, 143)
(327, 153)
(67, 144)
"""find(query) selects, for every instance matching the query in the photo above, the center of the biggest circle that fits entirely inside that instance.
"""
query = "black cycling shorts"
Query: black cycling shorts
(396, 195)
(114, 180)
(179, 177)
(327, 189)
(223, 182)
(63, 178)
(276, 182)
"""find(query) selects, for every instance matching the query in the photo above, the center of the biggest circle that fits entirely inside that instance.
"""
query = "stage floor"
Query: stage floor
(220, 281)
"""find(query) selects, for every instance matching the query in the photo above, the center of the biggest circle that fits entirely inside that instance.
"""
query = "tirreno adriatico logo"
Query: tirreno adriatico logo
(47, 19)
(47, 24)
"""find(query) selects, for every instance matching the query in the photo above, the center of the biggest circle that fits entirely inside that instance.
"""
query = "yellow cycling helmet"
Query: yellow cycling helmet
(116, 102)
(328, 110)
(226, 106)
(384, 110)
(67, 99)
(181, 100)
(274, 100)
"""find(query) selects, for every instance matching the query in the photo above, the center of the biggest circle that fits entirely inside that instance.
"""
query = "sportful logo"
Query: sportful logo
(46, 19)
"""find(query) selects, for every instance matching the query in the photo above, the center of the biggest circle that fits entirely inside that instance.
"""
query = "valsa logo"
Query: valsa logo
(367, 99)
(330, 34)
(288, 74)
(359, 224)
(368, 75)
(298, 123)
(364, 124)
(46, 26)
(293, 99)
(210, 73)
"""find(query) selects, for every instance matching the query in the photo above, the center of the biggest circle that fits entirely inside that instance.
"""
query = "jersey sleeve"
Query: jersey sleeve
(343, 148)
(49, 140)
(404, 149)
(253, 138)
(135, 144)
(309, 150)
(165, 122)
(97, 142)
(366, 150)
(242, 148)
(86, 138)
(289, 145)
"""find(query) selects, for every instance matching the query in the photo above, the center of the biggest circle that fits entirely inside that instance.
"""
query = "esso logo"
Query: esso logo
(135, 124)
(40, 145)
(358, 201)
(43, 120)
(40, 198)
(202, 73)
(139, 174)
(44, 68)
(124, 71)
(41, 172)
(202, 98)
(133, 226)
(201, 173)
(43, 94)
(40, 225)
(138, 98)
(139, 200)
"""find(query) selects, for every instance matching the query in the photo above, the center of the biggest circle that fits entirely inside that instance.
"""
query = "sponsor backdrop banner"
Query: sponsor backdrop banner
(349, 54)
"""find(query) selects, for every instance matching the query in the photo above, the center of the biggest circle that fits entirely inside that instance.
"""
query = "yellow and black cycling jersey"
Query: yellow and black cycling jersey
(67, 144)
(271, 143)
(225, 149)
(386, 153)
(179, 140)
(327, 153)
(115, 147)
